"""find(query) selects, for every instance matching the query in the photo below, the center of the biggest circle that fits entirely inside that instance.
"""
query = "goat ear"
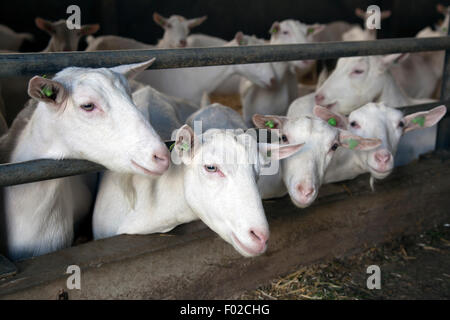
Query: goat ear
(184, 143)
(46, 90)
(354, 142)
(385, 14)
(424, 119)
(314, 29)
(270, 151)
(89, 29)
(130, 71)
(45, 25)
(268, 122)
(390, 59)
(275, 28)
(360, 13)
(159, 19)
(239, 37)
(441, 9)
(333, 119)
(192, 23)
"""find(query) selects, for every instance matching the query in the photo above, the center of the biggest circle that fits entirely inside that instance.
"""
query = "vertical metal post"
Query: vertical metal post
(443, 133)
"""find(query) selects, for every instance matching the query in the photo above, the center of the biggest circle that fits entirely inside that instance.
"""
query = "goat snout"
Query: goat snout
(320, 98)
(382, 157)
(259, 236)
(183, 43)
(161, 160)
(306, 193)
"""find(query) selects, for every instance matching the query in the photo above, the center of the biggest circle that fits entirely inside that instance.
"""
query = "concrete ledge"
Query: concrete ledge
(193, 263)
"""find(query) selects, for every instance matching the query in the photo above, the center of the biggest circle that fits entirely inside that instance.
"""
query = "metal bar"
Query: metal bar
(45, 169)
(443, 133)
(48, 63)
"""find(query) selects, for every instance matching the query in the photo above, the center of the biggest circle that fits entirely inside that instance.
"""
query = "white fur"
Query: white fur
(191, 83)
(40, 217)
(302, 174)
(230, 204)
(345, 91)
(62, 38)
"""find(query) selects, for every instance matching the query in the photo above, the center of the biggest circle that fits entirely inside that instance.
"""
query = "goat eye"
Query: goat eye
(334, 147)
(401, 124)
(88, 107)
(284, 138)
(211, 168)
(354, 124)
(357, 71)
(285, 32)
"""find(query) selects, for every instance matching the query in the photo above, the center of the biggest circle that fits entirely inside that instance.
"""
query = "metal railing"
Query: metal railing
(14, 64)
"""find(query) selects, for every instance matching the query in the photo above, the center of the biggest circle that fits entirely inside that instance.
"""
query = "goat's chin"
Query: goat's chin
(244, 250)
(302, 204)
(380, 175)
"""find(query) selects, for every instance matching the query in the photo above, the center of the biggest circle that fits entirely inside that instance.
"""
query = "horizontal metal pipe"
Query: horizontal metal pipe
(13, 64)
(45, 169)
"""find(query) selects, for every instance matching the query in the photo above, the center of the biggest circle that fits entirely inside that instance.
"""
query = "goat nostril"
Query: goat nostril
(160, 158)
(273, 81)
(306, 192)
(319, 98)
(258, 237)
(383, 158)
(183, 43)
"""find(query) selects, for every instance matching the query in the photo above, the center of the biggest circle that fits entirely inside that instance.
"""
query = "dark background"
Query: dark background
(133, 18)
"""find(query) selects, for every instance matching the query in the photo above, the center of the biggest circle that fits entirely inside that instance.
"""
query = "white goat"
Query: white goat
(62, 38)
(360, 80)
(222, 194)
(81, 113)
(355, 82)
(373, 120)
(284, 89)
(420, 74)
(293, 31)
(166, 113)
(217, 116)
(302, 174)
(359, 34)
(11, 40)
(191, 83)
(176, 29)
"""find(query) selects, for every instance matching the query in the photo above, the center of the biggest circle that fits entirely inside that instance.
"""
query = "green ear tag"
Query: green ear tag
(47, 91)
(419, 120)
(274, 30)
(44, 76)
(352, 144)
(185, 146)
(332, 122)
(309, 31)
(171, 146)
(269, 124)
(269, 153)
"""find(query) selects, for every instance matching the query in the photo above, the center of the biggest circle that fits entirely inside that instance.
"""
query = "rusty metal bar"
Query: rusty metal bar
(48, 63)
